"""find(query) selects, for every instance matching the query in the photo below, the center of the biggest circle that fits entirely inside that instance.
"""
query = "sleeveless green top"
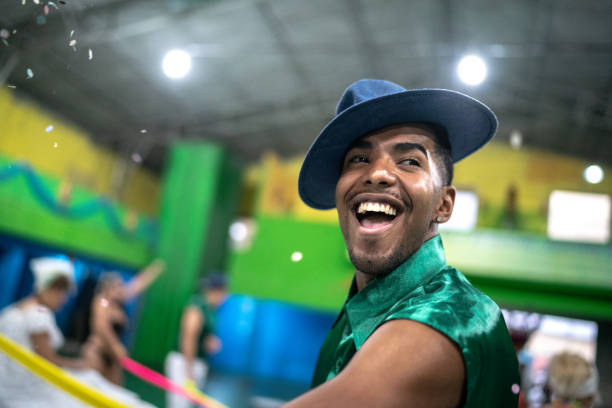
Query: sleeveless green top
(199, 302)
(427, 290)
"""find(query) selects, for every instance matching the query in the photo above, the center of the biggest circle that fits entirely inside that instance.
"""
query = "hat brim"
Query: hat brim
(469, 125)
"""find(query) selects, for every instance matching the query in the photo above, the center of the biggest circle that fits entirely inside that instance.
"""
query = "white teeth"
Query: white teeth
(376, 207)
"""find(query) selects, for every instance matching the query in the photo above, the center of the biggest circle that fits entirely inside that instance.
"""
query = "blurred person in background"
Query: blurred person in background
(572, 381)
(109, 320)
(413, 330)
(31, 323)
(197, 340)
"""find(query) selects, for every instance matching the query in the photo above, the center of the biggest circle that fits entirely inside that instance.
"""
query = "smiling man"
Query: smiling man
(413, 331)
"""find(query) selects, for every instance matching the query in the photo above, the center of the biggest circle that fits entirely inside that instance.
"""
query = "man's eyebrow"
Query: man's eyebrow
(406, 147)
(361, 144)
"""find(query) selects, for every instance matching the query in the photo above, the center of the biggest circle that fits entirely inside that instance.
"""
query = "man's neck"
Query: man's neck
(362, 279)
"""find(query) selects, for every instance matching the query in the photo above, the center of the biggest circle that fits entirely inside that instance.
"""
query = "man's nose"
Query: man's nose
(381, 173)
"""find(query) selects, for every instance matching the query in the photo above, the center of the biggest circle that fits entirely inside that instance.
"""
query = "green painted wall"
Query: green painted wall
(198, 200)
(517, 270)
(24, 216)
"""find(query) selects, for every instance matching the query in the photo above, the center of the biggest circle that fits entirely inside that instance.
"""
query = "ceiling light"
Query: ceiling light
(593, 174)
(472, 70)
(516, 139)
(176, 64)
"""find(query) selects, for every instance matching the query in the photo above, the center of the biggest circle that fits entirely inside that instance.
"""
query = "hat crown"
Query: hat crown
(365, 90)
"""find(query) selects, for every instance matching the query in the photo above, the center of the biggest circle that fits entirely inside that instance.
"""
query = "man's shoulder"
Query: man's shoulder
(449, 293)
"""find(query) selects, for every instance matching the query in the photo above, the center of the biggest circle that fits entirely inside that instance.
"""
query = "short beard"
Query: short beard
(378, 266)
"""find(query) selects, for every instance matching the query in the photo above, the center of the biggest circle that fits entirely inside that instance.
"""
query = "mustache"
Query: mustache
(350, 197)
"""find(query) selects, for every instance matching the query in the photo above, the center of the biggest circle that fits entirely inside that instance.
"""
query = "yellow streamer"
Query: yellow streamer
(56, 376)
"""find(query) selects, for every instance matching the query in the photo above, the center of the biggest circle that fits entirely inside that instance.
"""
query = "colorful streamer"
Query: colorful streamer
(46, 198)
(155, 378)
(56, 376)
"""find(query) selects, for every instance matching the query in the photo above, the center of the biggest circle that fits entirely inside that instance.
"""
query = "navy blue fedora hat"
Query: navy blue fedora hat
(371, 104)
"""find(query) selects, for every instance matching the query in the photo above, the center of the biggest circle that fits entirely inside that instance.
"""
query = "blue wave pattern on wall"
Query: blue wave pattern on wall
(145, 229)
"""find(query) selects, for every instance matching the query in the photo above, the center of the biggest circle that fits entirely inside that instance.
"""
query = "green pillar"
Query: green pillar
(199, 195)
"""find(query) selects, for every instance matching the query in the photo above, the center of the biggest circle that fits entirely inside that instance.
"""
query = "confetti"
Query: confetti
(143, 130)
(5, 42)
(29, 73)
(15, 31)
(71, 33)
(4, 33)
(136, 158)
(12, 86)
(90, 54)
(23, 2)
(49, 128)
(72, 43)
(53, 4)
(40, 19)
(55, 144)
(36, 1)
(46, 10)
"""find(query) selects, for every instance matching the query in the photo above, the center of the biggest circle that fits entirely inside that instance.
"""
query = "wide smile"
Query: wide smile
(374, 215)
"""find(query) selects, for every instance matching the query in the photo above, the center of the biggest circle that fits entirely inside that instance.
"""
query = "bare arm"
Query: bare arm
(42, 346)
(403, 364)
(142, 281)
(102, 324)
(192, 322)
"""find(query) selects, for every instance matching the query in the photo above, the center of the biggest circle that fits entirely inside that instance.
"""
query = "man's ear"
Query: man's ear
(446, 204)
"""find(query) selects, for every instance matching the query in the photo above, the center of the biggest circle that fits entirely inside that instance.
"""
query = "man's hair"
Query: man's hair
(442, 152)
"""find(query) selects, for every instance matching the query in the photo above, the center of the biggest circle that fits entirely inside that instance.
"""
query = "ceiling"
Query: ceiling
(266, 74)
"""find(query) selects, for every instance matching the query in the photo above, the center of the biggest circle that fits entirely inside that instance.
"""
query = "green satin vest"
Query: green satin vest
(427, 290)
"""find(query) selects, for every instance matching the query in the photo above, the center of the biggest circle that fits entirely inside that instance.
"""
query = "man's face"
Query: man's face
(389, 195)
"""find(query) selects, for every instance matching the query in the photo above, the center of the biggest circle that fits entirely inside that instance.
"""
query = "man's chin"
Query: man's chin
(374, 264)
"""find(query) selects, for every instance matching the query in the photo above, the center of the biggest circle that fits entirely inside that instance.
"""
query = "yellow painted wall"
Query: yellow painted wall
(66, 152)
(489, 172)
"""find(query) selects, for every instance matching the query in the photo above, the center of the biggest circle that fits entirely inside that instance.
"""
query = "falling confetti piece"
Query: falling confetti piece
(46, 10)
(143, 130)
(5, 42)
(53, 4)
(23, 2)
(49, 128)
(29, 73)
(71, 33)
(90, 54)
(12, 86)
(72, 43)
(4, 33)
(40, 19)
(15, 31)
(136, 158)
(36, 1)
(55, 144)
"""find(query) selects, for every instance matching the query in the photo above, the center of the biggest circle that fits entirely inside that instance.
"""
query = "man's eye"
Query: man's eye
(358, 159)
(410, 162)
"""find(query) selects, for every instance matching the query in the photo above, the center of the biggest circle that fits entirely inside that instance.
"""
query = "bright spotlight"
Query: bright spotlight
(176, 63)
(472, 70)
(593, 174)
(238, 231)
(296, 256)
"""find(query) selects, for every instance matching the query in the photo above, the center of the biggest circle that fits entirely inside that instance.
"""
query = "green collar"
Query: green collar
(367, 309)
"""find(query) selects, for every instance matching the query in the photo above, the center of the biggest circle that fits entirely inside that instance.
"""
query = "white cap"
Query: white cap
(47, 269)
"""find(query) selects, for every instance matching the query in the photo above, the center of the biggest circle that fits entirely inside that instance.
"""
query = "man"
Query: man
(413, 331)
(196, 339)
